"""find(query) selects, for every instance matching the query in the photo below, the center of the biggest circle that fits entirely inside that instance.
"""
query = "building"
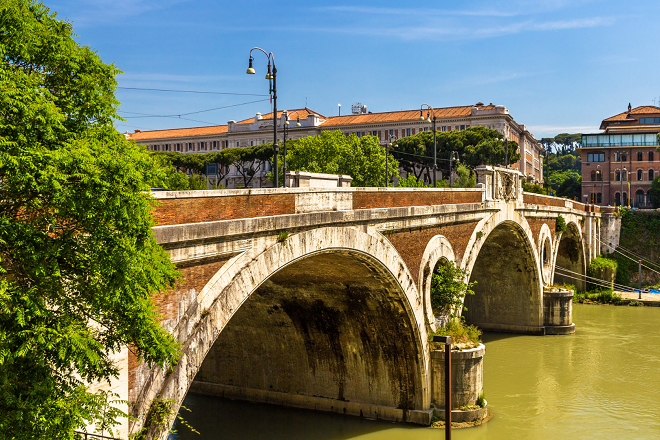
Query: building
(619, 164)
(306, 122)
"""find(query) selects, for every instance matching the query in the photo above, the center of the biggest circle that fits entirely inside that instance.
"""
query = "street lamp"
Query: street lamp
(453, 156)
(623, 172)
(392, 140)
(428, 120)
(286, 130)
(270, 76)
(447, 341)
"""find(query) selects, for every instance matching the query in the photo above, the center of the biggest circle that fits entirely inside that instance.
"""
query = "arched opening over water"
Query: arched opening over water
(333, 325)
(508, 290)
(570, 266)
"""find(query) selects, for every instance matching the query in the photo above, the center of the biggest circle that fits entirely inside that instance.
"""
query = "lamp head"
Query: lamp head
(298, 123)
(421, 116)
(250, 70)
(268, 74)
(428, 120)
(286, 122)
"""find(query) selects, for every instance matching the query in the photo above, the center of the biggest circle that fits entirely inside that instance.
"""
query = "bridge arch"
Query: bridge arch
(438, 248)
(504, 261)
(570, 257)
(546, 253)
(375, 275)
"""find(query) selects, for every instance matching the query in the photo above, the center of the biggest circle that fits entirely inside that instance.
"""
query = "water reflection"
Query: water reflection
(599, 383)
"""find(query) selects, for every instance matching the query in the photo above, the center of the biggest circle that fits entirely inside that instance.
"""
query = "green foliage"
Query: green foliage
(560, 225)
(598, 296)
(410, 182)
(282, 236)
(479, 235)
(481, 400)
(465, 178)
(362, 158)
(563, 167)
(475, 146)
(654, 192)
(79, 262)
(563, 143)
(533, 188)
(468, 336)
(448, 288)
(600, 263)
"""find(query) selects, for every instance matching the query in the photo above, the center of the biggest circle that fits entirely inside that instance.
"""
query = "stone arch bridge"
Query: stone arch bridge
(320, 298)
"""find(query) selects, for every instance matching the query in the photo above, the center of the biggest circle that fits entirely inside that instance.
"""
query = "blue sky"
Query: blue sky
(557, 65)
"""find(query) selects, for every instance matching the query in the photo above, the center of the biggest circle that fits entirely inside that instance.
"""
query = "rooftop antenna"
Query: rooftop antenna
(339, 105)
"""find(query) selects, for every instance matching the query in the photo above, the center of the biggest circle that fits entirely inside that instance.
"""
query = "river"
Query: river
(601, 383)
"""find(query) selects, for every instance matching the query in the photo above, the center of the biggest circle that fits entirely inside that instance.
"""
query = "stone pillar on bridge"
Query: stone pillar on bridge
(500, 183)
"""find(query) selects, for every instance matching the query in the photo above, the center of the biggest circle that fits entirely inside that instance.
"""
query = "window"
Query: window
(391, 133)
(599, 198)
(593, 176)
(651, 158)
(215, 145)
(374, 133)
(444, 128)
(596, 157)
(624, 176)
(252, 143)
(407, 132)
(617, 199)
(178, 147)
(617, 176)
(649, 120)
(617, 157)
(624, 157)
(651, 174)
(640, 175)
(640, 156)
(462, 127)
(190, 146)
(202, 145)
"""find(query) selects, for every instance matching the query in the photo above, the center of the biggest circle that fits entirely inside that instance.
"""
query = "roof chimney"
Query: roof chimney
(137, 131)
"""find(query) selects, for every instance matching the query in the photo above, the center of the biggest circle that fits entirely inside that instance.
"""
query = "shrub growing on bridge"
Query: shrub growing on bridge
(448, 288)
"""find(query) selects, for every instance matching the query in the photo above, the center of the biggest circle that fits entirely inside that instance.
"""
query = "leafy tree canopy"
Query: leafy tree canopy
(78, 261)
(655, 192)
(475, 146)
(362, 158)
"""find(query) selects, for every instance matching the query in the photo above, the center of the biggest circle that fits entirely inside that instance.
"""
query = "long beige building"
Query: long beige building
(384, 125)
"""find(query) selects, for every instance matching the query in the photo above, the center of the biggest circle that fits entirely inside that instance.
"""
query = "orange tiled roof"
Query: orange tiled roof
(641, 110)
(302, 113)
(400, 116)
(178, 132)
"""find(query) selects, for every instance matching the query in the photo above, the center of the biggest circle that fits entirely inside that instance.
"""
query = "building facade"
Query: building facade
(306, 122)
(619, 164)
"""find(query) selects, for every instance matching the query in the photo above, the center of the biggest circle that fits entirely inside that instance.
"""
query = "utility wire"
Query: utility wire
(638, 261)
(191, 113)
(590, 278)
(191, 91)
(639, 257)
(580, 279)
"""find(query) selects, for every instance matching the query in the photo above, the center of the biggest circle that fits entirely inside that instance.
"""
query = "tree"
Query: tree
(475, 146)
(410, 182)
(249, 160)
(362, 158)
(448, 288)
(78, 260)
(563, 143)
(465, 177)
(654, 192)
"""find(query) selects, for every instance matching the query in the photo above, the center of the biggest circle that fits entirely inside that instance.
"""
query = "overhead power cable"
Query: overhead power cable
(190, 113)
(607, 286)
(563, 269)
(190, 91)
(632, 259)
(636, 255)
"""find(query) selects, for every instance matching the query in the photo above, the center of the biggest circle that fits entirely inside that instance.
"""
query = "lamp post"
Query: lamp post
(453, 156)
(286, 130)
(392, 140)
(621, 174)
(447, 341)
(270, 76)
(428, 120)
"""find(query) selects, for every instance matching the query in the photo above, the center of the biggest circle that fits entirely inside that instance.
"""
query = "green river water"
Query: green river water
(601, 383)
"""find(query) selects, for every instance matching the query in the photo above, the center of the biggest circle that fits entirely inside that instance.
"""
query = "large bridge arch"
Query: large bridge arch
(504, 261)
(374, 272)
(570, 262)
